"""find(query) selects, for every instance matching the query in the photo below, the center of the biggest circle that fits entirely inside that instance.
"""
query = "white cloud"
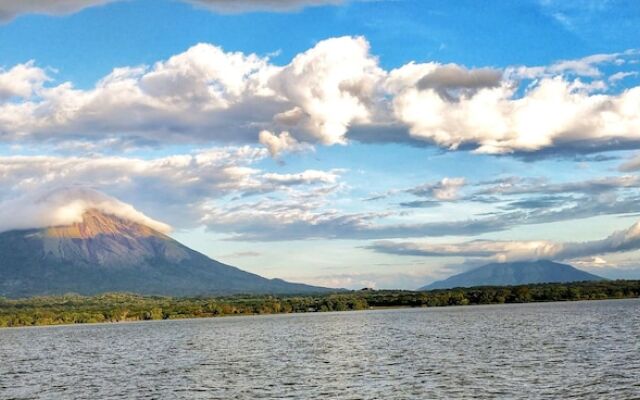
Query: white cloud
(305, 177)
(618, 76)
(330, 87)
(591, 262)
(282, 143)
(205, 73)
(445, 190)
(269, 219)
(201, 95)
(206, 95)
(633, 164)
(355, 281)
(499, 250)
(495, 120)
(23, 80)
(313, 214)
(586, 67)
(619, 241)
(176, 186)
(213, 169)
(218, 188)
(65, 206)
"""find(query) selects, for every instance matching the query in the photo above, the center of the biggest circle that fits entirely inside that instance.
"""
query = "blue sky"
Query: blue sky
(342, 143)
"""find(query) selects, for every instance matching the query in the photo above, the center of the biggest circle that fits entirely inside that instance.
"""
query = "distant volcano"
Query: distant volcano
(107, 253)
(515, 273)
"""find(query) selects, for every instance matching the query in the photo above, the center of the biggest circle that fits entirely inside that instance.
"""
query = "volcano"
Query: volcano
(515, 273)
(104, 252)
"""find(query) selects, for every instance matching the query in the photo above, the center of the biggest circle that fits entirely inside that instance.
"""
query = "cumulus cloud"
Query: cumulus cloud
(10, 9)
(496, 120)
(23, 80)
(65, 206)
(330, 87)
(332, 92)
(282, 143)
(201, 95)
(207, 95)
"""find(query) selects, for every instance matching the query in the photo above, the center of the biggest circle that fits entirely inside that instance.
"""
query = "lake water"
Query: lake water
(551, 351)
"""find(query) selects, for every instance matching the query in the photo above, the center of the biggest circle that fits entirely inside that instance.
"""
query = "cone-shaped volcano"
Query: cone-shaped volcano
(105, 252)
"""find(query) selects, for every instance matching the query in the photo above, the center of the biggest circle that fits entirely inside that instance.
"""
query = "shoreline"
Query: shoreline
(370, 308)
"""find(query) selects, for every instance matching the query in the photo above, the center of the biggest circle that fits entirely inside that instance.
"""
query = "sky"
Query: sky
(371, 143)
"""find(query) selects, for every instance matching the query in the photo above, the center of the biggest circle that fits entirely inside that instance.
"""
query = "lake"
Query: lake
(551, 350)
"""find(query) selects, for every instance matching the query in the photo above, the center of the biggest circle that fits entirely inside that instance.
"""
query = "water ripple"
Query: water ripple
(585, 350)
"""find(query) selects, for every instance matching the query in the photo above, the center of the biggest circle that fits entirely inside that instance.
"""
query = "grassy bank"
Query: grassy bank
(117, 307)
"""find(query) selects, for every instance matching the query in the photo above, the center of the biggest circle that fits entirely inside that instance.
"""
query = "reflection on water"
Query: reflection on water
(555, 350)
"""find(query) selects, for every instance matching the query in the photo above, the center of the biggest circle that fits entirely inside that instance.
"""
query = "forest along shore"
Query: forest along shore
(120, 307)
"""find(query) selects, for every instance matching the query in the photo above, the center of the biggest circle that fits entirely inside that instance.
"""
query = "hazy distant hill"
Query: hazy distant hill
(106, 253)
(515, 273)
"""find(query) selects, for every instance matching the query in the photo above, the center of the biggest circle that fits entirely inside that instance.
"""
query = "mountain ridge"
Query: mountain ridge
(514, 273)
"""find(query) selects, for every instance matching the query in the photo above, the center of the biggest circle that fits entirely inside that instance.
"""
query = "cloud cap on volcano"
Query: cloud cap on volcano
(65, 206)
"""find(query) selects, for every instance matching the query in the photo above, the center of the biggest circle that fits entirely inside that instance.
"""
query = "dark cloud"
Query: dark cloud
(10, 9)
(538, 202)
(451, 81)
(511, 186)
(241, 6)
(420, 204)
(579, 150)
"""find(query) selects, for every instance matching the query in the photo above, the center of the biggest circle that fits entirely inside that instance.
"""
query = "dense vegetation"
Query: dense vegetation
(115, 307)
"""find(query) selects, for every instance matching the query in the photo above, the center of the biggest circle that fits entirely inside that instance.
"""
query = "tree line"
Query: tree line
(117, 307)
